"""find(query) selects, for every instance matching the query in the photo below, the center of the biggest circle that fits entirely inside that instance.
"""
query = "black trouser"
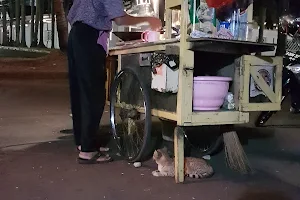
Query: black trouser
(87, 84)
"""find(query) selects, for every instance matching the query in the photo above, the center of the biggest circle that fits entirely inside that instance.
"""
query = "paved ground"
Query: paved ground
(11, 53)
(32, 65)
(38, 162)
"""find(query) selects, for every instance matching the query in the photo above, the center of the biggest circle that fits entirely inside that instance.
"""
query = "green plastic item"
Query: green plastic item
(191, 11)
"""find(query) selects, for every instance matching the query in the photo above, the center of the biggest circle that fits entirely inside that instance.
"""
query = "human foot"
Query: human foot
(93, 158)
(101, 149)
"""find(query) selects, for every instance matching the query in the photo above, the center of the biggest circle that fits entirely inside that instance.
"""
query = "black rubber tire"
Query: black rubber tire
(149, 142)
(215, 144)
(215, 148)
(263, 118)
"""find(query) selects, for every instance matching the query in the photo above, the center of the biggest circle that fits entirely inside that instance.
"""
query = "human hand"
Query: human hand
(155, 23)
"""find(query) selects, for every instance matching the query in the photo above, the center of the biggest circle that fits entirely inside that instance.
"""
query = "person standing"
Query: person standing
(91, 23)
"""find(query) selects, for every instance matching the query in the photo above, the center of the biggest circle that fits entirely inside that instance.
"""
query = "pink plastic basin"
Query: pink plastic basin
(209, 92)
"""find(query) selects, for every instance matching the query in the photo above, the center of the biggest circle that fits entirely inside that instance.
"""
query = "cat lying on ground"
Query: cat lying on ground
(193, 167)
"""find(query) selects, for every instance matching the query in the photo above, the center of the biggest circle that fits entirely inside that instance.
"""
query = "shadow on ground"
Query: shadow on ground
(258, 194)
(255, 141)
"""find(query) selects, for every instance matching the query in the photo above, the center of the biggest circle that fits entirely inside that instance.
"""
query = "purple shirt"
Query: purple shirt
(97, 14)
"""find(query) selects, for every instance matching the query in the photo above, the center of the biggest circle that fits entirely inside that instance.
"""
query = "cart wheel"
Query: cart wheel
(130, 116)
(210, 145)
(213, 147)
(263, 118)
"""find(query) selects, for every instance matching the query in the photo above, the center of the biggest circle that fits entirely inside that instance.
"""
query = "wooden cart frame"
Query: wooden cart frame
(185, 48)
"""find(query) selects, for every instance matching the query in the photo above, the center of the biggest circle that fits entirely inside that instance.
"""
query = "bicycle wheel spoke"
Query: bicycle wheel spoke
(130, 98)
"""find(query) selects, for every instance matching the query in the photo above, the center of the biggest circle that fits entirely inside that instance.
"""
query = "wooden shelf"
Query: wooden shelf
(155, 112)
(201, 44)
(202, 118)
(228, 46)
(218, 118)
(143, 47)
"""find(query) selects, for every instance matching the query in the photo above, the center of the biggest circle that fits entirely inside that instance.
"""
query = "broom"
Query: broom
(235, 155)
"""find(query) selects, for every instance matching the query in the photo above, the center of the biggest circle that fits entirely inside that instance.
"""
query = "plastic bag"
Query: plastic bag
(229, 102)
(225, 11)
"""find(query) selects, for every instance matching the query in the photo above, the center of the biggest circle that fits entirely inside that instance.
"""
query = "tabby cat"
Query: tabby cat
(193, 167)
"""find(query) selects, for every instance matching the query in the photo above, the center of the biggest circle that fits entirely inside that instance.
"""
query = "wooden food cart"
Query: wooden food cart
(188, 49)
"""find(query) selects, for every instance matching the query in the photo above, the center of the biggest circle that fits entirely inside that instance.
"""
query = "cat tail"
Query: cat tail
(193, 176)
(200, 176)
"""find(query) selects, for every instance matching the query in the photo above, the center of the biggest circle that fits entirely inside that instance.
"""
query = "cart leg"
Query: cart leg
(179, 154)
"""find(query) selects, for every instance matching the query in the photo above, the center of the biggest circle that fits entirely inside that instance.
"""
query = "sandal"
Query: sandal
(102, 149)
(94, 159)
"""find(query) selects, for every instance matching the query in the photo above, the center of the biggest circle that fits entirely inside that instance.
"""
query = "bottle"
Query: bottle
(245, 29)
(249, 30)
(235, 24)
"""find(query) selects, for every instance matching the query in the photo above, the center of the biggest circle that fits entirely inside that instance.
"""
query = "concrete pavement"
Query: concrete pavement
(38, 162)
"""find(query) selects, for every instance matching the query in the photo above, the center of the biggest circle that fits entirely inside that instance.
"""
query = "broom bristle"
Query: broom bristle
(236, 157)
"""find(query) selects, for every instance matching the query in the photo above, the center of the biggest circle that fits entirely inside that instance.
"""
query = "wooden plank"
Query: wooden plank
(185, 88)
(260, 60)
(119, 63)
(168, 32)
(261, 107)
(157, 113)
(186, 68)
(164, 114)
(118, 70)
(142, 49)
(218, 118)
(110, 72)
(179, 154)
(238, 84)
(245, 76)
(278, 79)
(259, 80)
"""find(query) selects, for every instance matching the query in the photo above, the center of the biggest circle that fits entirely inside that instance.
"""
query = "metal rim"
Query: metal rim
(122, 138)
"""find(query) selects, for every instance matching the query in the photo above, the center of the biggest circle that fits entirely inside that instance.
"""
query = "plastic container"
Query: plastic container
(209, 92)
(235, 24)
(218, 3)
